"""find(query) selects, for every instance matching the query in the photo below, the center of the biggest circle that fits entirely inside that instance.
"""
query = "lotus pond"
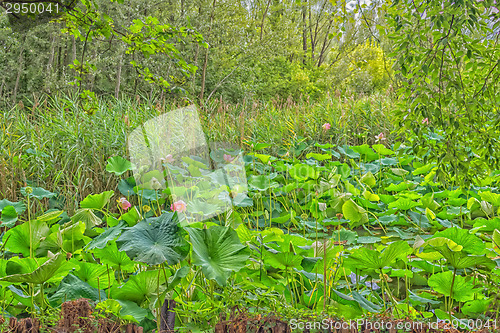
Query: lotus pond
(342, 233)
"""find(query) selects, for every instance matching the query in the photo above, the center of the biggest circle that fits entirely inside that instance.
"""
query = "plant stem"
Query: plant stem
(450, 306)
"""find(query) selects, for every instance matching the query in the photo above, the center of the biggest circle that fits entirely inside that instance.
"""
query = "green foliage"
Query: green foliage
(155, 241)
(218, 251)
(287, 248)
(448, 61)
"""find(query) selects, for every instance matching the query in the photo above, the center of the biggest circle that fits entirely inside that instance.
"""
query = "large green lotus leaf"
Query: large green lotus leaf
(466, 261)
(139, 287)
(399, 187)
(470, 243)
(132, 216)
(87, 216)
(8, 217)
(20, 296)
(218, 251)
(404, 204)
(424, 169)
(38, 193)
(477, 306)
(382, 150)
(116, 259)
(125, 310)
(365, 149)
(463, 289)
(496, 238)
(345, 150)
(353, 212)
(178, 276)
(319, 157)
(438, 242)
(97, 201)
(454, 255)
(126, 188)
(51, 216)
(73, 231)
(487, 225)
(50, 270)
(371, 259)
(18, 265)
(492, 198)
(261, 182)
(155, 241)
(20, 207)
(197, 206)
(19, 238)
(301, 172)
(95, 275)
(342, 235)
(118, 165)
(346, 306)
(52, 243)
(282, 260)
(368, 179)
(285, 240)
(70, 238)
(103, 239)
(365, 304)
(71, 288)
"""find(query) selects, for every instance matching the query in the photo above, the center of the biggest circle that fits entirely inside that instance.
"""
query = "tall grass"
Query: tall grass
(53, 144)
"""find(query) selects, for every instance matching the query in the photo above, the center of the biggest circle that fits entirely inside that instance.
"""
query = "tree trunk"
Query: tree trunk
(118, 76)
(203, 76)
(204, 72)
(19, 71)
(304, 34)
(167, 317)
(52, 53)
(1, 88)
(263, 18)
(73, 56)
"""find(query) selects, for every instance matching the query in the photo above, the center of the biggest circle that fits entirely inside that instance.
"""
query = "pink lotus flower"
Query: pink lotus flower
(228, 158)
(167, 159)
(326, 126)
(425, 121)
(124, 204)
(380, 137)
(178, 206)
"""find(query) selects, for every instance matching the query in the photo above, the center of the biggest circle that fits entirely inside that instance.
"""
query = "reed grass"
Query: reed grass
(52, 143)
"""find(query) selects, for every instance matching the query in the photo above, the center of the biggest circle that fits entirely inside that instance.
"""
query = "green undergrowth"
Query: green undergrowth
(343, 232)
(53, 143)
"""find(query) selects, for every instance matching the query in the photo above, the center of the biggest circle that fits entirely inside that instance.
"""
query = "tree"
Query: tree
(448, 58)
